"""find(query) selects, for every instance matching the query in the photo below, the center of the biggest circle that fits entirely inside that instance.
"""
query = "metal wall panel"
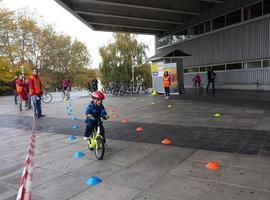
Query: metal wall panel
(249, 41)
(235, 77)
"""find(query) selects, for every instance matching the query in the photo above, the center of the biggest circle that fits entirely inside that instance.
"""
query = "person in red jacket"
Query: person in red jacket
(35, 90)
(21, 91)
(166, 84)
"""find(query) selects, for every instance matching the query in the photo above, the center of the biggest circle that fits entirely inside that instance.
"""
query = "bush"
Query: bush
(5, 90)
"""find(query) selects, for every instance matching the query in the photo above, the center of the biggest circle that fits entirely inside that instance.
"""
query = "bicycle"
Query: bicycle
(96, 142)
(46, 97)
(66, 94)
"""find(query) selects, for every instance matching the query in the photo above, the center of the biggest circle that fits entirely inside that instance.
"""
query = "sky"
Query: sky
(64, 22)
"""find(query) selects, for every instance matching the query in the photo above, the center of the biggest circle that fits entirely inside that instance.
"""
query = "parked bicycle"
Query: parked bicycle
(46, 97)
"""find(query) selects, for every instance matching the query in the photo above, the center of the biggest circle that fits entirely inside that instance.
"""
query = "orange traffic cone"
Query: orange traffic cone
(115, 116)
(166, 141)
(139, 129)
(125, 121)
(212, 165)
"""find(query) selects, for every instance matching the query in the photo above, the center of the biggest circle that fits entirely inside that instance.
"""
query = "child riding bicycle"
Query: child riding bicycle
(95, 110)
(197, 81)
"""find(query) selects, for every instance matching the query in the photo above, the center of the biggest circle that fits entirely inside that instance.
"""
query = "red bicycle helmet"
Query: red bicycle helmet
(98, 95)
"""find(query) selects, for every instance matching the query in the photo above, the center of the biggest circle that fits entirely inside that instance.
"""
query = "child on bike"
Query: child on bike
(197, 80)
(94, 111)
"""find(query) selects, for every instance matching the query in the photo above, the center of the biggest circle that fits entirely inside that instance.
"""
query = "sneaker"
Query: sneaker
(42, 115)
(85, 138)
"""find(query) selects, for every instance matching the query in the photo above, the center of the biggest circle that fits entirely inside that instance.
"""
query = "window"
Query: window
(164, 41)
(233, 17)
(266, 7)
(204, 68)
(234, 66)
(219, 22)
(266, 63)
(207, 26)
(218, 67)
(194, 31)
(185, 70)
(201, 28)
(251, 65)
(253, 11)
(180, 36)
(193, 69)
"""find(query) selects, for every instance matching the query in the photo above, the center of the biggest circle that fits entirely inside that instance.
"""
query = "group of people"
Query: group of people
(211, 75)
(29, 91)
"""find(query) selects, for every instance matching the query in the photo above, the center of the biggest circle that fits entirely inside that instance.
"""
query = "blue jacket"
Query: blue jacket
(95, 110)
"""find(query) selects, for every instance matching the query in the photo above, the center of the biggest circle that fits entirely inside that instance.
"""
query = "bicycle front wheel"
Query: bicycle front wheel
(47, 98)
(100, 149)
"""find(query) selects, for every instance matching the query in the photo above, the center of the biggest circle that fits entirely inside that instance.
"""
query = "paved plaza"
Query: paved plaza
(137, 166)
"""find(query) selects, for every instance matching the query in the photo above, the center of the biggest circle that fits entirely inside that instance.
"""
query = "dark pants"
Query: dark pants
(37, 105)
(90, 124)
(95, 88)
(167, 91)
(213, 84)
(15, 96)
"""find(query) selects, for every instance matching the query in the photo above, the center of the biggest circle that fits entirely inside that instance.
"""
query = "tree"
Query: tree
(24, 41)
(119, 56)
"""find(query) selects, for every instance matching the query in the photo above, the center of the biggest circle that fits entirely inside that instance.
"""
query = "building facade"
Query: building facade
(234, 40)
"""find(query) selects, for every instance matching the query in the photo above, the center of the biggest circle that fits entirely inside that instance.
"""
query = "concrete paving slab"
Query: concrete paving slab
(165, 159)
(208, 156)
(130, 155)
(62, 187)
(104, 191)
(197, 169)
(67, 164)
(6, 191)
(40, 176)
(102, 169)
(232, 192)
(259, 179)
(251, 162)
(135, 177)
(174, 187)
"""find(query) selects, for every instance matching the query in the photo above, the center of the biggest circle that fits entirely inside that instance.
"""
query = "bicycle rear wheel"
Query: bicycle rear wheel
(47, 98)
(100, 149)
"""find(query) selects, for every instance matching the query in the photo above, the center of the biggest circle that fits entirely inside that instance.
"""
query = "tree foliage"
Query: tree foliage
(24, 41)
(120, 55)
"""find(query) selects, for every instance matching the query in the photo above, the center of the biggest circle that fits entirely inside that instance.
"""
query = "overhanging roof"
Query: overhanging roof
(170, 53)
(135, 16)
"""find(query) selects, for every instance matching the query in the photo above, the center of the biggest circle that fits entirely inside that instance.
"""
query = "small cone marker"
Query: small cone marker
(154, 93)
(75, 118)
(166, 141)
(79, 154)
(71, 138)
(169, 106)
(115, 116)
(93, 181)
(75, 127)
(125, 121)
(212, 165)
(217, 115)
(140, 129)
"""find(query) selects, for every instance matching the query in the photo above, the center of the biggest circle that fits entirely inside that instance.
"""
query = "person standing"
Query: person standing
(95, 84)
(166, 84)
(35, 90)
(21, 91)
(13, 85)
(211, 78)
